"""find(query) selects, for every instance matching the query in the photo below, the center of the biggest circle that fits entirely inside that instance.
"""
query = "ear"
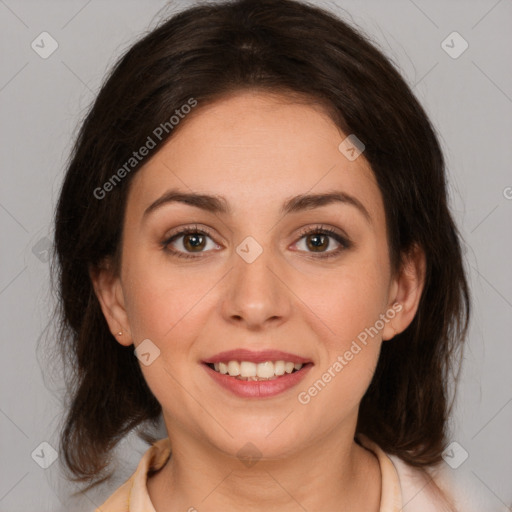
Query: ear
(405, 292)
(108, 290)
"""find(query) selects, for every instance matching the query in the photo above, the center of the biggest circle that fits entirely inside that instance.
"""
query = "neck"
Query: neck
(333, 474)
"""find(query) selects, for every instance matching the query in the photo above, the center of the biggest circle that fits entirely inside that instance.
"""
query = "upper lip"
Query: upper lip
(256, 357)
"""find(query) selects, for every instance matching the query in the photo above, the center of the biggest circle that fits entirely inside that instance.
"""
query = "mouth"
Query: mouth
(256, 375)
(260, 379)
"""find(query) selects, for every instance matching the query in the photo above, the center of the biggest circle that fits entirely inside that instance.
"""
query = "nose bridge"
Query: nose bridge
(256, 294)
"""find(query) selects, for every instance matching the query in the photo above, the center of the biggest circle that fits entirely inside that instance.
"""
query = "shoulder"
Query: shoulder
(119, 500)
(414, 489)
(424, 490)
(133, 494)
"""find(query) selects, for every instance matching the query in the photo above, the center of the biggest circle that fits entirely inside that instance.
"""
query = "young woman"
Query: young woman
(253, 243)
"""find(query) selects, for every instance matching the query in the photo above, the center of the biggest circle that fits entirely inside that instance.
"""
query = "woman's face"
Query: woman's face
(256, 281)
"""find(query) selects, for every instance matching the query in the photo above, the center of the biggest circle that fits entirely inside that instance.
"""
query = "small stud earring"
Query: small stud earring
(120, 333)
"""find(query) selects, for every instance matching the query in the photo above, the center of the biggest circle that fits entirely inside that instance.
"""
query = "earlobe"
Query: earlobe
(108, 290)
(405, 294)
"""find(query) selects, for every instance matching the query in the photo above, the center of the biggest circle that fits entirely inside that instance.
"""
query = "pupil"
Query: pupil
(195, 244)
(317, 244)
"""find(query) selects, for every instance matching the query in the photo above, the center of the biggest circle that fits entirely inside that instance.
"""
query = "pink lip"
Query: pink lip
(258, 389)
(255, 357)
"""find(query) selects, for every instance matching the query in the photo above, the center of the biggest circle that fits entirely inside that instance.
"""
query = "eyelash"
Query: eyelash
(344, 242)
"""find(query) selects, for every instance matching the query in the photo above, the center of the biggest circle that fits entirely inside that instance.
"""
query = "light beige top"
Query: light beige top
(404, 488)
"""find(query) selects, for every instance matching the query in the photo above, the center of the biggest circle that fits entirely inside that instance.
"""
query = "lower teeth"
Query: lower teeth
(238, 377)
(253, 379)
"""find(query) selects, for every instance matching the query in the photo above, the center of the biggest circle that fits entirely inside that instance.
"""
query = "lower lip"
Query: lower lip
(262, 388)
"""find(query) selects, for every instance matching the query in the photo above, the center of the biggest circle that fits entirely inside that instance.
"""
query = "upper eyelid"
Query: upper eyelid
(302, 231)
(188, 230)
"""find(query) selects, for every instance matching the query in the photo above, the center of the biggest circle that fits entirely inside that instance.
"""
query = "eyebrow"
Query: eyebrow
(219, 204)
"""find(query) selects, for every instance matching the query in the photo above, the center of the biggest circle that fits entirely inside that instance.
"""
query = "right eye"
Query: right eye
(188, 240)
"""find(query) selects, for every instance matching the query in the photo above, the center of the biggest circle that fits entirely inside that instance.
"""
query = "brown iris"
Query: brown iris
(194, 241)
(315, 245)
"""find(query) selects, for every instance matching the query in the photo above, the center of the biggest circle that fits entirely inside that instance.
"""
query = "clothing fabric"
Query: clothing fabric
(403, 487)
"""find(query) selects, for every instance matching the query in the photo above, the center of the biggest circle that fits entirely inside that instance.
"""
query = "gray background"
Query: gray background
(469, 100)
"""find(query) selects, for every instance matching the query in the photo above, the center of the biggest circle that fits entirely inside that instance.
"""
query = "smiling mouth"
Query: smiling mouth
(249, 371)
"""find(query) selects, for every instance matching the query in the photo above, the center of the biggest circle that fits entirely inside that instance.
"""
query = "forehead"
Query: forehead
(255, 148)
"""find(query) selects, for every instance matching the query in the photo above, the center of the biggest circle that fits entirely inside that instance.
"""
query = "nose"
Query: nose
(256, 296)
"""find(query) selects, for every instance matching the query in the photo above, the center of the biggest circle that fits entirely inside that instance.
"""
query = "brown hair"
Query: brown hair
(289, 47)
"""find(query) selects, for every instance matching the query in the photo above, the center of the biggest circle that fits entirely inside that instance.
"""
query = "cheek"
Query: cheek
(348, 300)
(350, 304)
(162, 303)
(350, 349)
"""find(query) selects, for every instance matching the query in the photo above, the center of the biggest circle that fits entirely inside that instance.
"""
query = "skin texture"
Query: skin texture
(258, 150)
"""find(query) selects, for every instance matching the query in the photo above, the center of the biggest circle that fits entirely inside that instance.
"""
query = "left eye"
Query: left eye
(319, 240)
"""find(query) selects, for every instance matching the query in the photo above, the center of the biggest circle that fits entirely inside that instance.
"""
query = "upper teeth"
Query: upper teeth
(249, 369)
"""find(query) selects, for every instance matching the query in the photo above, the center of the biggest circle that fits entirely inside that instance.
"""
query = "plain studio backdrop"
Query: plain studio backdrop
(456, 57)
